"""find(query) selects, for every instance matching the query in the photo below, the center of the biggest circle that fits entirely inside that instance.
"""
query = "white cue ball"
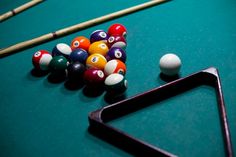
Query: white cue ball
(170, 64)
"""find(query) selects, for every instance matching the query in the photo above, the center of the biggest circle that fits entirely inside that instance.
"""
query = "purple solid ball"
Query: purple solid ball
(116, 53)
(98, 35)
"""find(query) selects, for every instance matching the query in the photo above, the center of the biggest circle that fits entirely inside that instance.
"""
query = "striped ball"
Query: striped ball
(115, 66)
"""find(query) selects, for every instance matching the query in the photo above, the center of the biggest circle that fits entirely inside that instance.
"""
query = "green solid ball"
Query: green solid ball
(58, 63)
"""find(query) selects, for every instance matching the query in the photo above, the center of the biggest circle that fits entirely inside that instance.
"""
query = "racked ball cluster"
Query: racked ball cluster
(97, 61)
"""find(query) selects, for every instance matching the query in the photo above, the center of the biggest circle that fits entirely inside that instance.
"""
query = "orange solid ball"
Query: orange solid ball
(80, 42)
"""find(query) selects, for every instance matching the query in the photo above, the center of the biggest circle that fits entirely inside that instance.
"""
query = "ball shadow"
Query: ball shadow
(39, 73)
(167, 78)
(93, 91)
(57, 77)
(73, 84)
(111, 98)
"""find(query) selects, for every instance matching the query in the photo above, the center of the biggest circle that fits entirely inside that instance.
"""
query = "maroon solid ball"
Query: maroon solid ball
(116, 41)
(94, 77)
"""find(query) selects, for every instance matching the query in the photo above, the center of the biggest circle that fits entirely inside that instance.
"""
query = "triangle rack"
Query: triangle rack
(98, 119)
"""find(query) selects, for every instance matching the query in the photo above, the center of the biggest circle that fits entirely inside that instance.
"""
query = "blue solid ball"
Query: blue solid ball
(98, 35)
(78, 55)
(116, 53)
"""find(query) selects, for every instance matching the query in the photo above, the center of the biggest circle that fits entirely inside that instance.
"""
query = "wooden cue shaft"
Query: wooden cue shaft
(19, 9)
(69, 30)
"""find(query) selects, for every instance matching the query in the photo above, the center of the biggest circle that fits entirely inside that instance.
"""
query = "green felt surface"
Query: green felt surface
(41, 118)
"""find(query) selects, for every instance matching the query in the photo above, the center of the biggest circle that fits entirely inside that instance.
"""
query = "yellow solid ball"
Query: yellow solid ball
(96, 61)
(98, 47)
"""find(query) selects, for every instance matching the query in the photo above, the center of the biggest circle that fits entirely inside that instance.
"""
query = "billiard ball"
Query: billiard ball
(78, 55)
(170, 64)
(41, 60)
(98, 47)
(76, 70)
(116, 53)
(115, 83)
(98, 35)
(80, 42)
(94, 77)
(61, 49)
(96, 61)
(116, 41)
(115, 66)
(117, 29)
(58, 64)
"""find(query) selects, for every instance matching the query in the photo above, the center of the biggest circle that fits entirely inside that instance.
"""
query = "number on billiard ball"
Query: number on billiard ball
(94, 77)
(116, 41)
(98, 35)
(96, 61)
(115, 66)
(116, 53)
(41, 60)
(80, 42)
(98, 47)
(117, 29)
(58, 64)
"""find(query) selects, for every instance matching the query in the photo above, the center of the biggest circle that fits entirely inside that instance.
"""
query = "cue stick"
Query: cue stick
(19, 9)
(72, 29)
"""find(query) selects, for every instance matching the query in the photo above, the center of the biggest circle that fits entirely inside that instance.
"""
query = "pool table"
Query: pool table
(40, 117)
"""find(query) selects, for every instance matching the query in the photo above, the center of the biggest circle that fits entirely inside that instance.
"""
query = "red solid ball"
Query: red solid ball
(117, 29)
